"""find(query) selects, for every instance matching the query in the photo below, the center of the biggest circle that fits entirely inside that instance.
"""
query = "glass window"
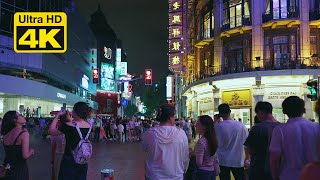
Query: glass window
(22, 4)
(6, 20)
(206, 26)
(212, 20)
(313, 45)
(293, 47)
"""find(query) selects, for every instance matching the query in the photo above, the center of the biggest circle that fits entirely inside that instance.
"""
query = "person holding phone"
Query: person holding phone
(58, 146)
(69, 169)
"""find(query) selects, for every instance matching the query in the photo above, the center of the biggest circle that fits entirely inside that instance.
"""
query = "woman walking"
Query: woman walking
(69, 169)
(16, 146)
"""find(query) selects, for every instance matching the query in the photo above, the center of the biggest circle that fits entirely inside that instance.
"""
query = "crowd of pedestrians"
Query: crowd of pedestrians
(269, 151)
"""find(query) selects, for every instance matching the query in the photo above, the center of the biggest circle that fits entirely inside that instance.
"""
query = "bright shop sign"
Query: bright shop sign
(177, 33)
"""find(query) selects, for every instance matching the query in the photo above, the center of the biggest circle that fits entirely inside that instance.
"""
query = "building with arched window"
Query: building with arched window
(245, 51)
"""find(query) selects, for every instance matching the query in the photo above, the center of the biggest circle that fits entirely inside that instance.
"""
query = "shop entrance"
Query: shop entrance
(242, 113)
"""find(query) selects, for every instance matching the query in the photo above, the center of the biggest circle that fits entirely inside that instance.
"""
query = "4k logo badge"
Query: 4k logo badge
(40, 32)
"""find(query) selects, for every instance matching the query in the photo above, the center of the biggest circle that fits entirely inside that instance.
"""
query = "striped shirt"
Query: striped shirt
(202, 149)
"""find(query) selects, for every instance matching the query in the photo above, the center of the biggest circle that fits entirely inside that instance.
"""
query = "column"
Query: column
(218, 54)
(195, 105)
(304, 29)
(309, 106)
(257, 32)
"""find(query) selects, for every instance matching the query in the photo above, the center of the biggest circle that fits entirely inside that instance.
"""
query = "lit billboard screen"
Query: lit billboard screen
(107, 76)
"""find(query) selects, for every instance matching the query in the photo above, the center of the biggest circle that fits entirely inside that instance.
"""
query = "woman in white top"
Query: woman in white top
(120, 131)
(166, 147)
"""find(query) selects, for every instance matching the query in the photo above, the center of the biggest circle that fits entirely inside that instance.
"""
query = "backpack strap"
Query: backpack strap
(79, 132)
(78, 129)
(88, 134)
(15, 141)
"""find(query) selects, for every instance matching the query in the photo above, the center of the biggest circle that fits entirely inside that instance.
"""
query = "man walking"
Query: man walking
(231, 136)
(258, 141)
(293, 144)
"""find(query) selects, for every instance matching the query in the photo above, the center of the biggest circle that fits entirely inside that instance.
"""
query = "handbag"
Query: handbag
(4, 170)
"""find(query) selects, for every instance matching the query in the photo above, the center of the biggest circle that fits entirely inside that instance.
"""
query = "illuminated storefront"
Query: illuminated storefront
(257, 51)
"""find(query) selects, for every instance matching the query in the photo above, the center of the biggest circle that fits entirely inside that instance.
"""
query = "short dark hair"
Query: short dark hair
(224, 109)
(263, 106)
(293, 106)
(165, 112)
(82, 110)
(8, 122)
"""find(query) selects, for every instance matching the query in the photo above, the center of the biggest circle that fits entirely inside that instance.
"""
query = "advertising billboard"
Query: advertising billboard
(85, 81)
(107, 77)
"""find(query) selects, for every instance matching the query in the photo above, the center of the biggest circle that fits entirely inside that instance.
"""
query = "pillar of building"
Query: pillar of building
(195, 105)
(257, 33)
(304, 32)
(218, 17)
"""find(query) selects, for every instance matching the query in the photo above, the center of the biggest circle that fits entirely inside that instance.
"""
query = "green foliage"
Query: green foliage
(154, 97)
(130, 110)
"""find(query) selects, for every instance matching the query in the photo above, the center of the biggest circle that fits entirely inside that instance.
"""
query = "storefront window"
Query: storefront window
(206, 26)
(212, 20)
(281, 9)
(236, 13)
(280, 51)
(313, 45)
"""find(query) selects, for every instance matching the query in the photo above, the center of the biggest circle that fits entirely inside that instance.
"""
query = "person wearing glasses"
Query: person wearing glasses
(16, 146)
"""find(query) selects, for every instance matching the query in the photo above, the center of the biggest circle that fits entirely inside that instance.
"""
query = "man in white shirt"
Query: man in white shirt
(231, 137)
(293, 144)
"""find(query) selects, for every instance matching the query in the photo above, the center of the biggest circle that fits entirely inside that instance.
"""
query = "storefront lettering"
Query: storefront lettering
(60, 95)
(281, 95)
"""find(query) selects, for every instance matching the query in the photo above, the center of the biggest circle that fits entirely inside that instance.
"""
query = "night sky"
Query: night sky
(142, 27)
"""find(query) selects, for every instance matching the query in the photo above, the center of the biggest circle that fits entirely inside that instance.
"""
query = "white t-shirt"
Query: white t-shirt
(90, 121)
(131, 124)
(298, 143)
(167, 152)
(120, 128)
(231, 137)
(137, 124)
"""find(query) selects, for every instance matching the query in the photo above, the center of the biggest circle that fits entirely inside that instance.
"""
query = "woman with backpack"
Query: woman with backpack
(78, 149)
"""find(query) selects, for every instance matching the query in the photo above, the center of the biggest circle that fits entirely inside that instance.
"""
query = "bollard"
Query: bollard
(107, 174)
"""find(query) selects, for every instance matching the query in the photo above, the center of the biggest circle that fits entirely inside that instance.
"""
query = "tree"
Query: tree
(130, 110)
(155, 96)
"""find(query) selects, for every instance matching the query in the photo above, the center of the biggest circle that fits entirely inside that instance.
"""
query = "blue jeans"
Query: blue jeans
(205, 175)
(69, 170)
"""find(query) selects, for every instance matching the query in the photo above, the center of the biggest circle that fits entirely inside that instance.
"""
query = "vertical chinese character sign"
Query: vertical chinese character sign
(177, 33)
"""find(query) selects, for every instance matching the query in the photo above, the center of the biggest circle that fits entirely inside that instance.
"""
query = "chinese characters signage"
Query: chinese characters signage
(237, 98)
(177, 33)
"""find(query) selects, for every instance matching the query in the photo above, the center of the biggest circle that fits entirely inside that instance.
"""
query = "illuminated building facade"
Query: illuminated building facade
(244, 51)
(44, 82)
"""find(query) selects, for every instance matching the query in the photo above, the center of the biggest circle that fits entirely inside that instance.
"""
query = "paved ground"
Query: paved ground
(126, 159)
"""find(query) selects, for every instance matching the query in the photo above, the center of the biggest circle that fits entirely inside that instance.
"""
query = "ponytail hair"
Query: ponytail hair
(210, 134)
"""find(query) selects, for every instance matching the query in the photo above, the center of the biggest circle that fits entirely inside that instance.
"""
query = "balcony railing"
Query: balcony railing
(281, 13)
(314, 14)
(236, 21)
(261, 65)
